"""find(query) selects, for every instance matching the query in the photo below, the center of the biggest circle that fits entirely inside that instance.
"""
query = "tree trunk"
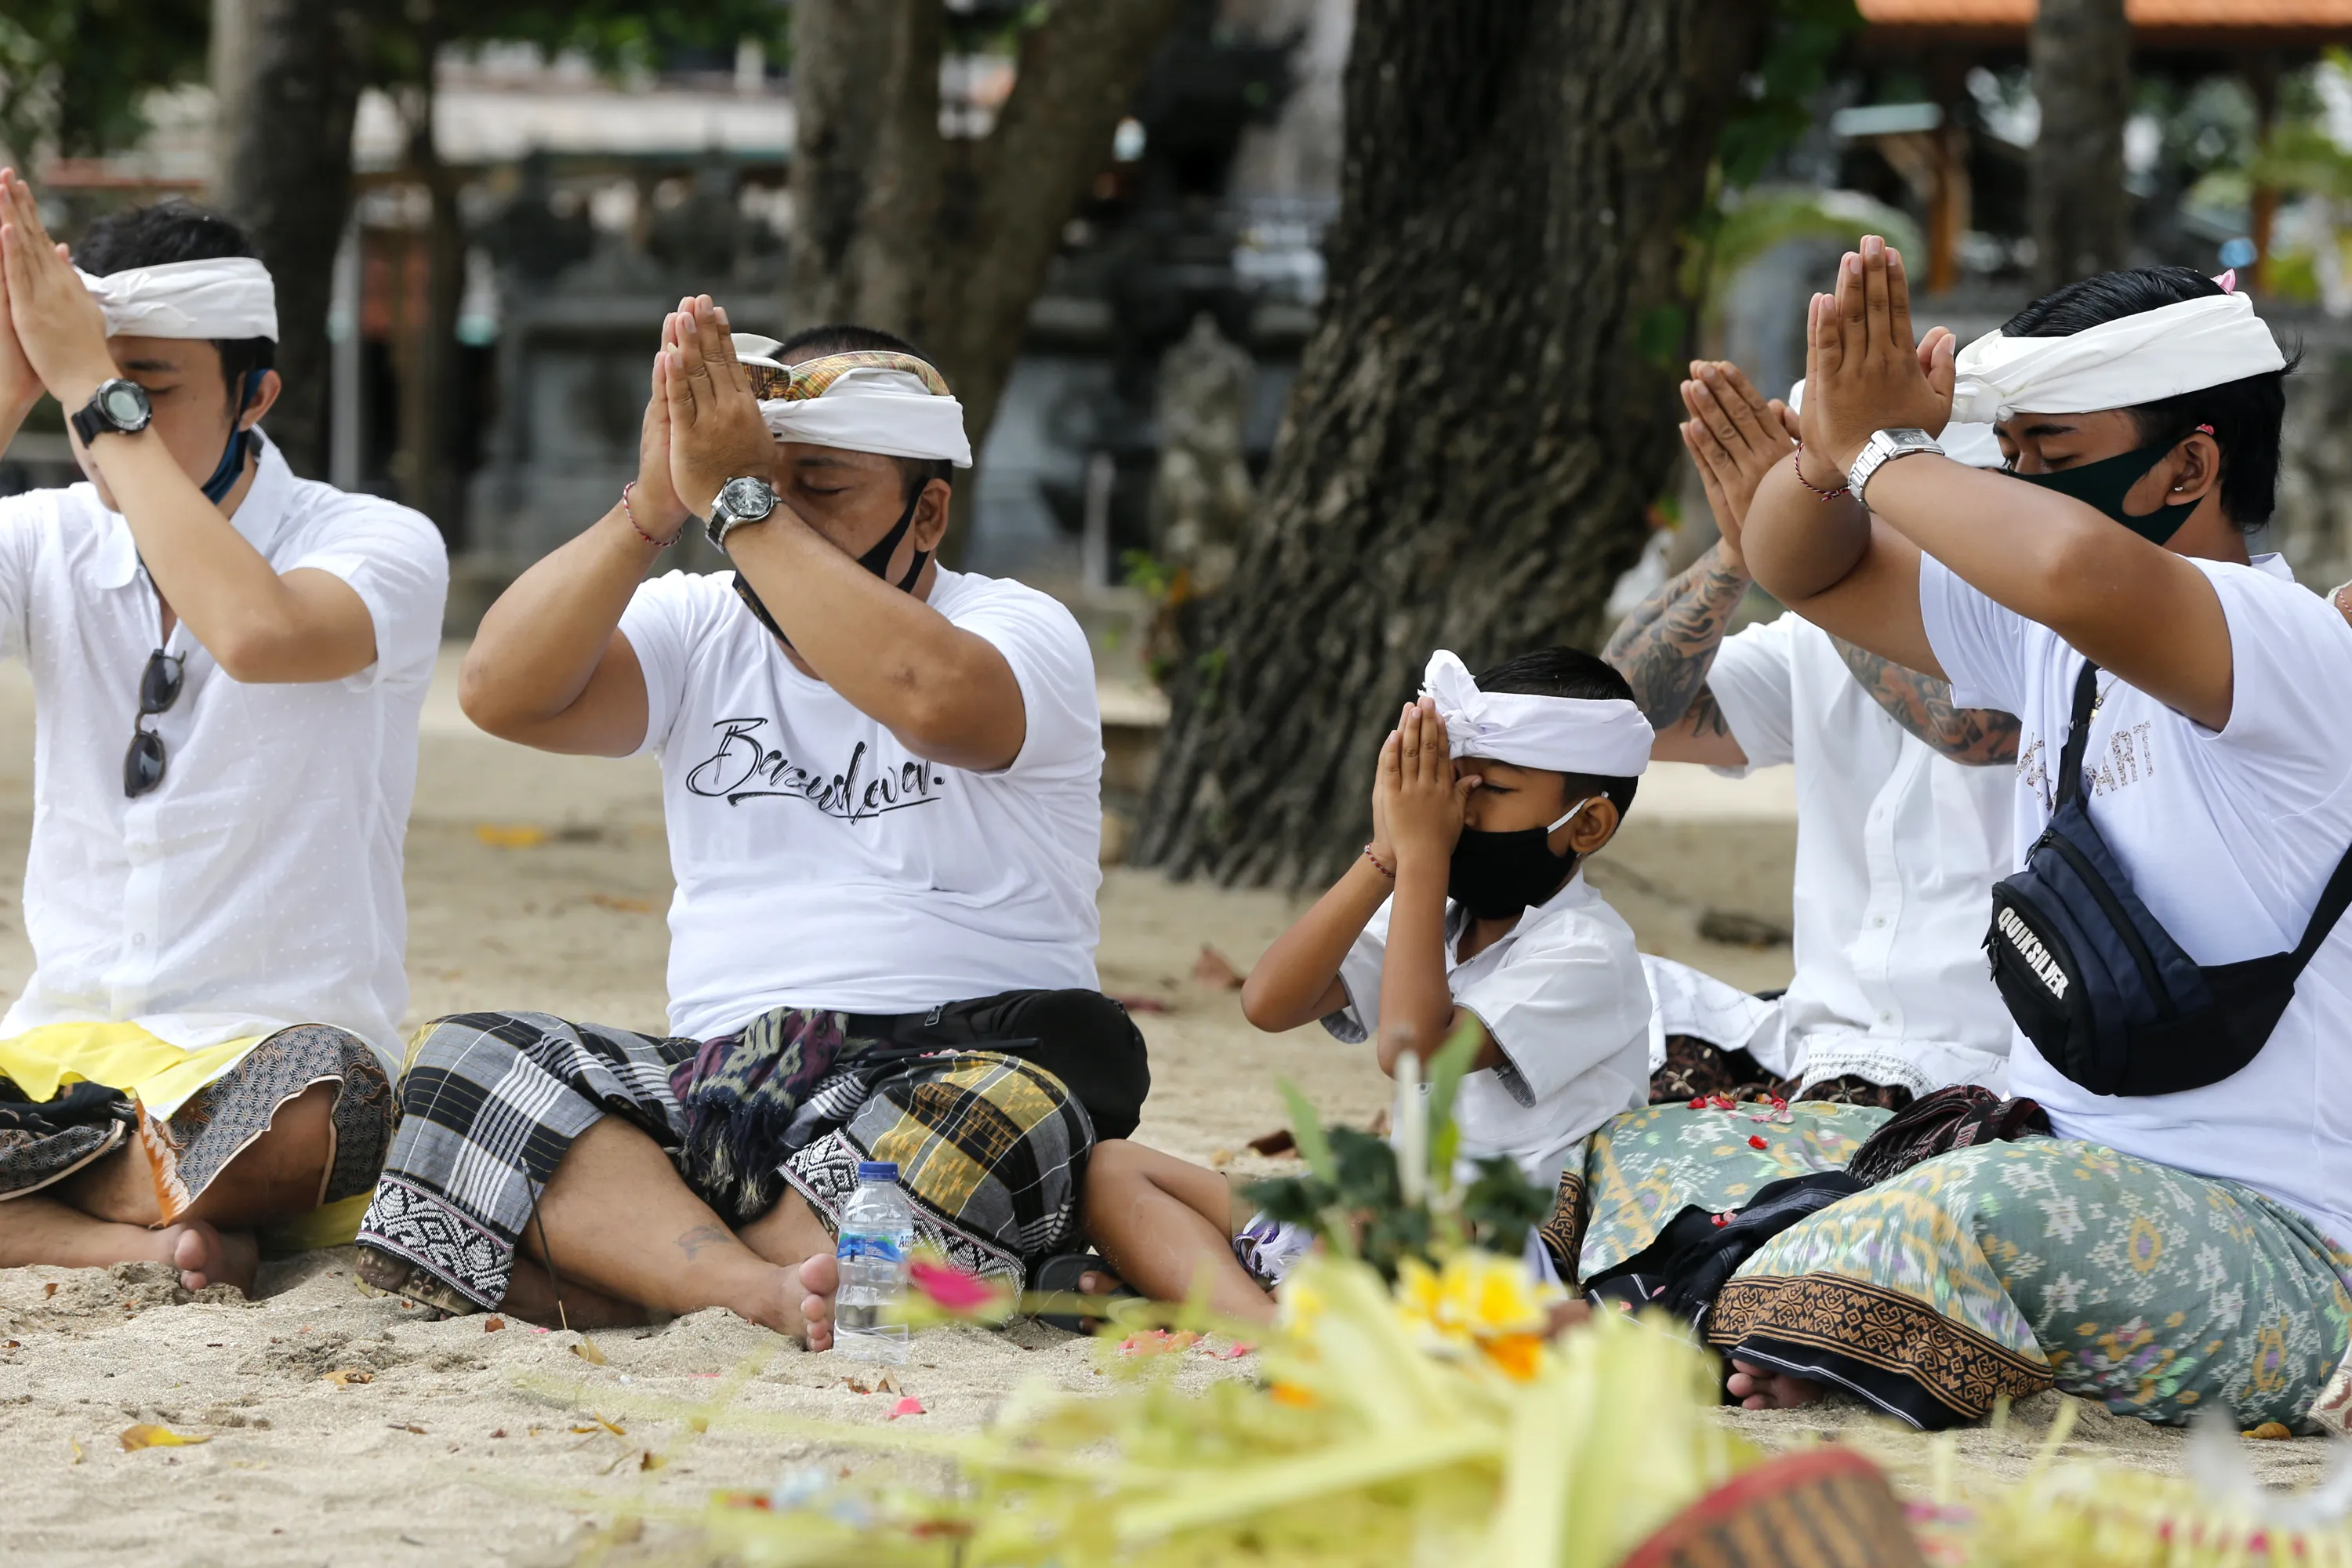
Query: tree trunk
(285, 174)
(1482, 415)
(425, 462)
(2081, 58)
(947, 242)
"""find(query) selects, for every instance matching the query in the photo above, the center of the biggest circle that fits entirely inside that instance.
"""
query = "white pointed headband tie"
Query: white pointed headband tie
(2156, 355)
(1562, 734)
(864, 400)
(226, 297)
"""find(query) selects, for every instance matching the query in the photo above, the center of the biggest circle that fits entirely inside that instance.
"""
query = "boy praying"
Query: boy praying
(1468, 909)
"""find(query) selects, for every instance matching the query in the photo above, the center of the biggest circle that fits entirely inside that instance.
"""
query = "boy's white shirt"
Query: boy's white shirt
(2228, 836)
(1563, 996)
(259, 886)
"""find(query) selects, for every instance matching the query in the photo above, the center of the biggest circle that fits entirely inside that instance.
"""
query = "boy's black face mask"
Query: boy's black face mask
(1496, 875)
(2103, 484)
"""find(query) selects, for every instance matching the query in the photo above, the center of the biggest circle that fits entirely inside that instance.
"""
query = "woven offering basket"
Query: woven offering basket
(1824, 1507)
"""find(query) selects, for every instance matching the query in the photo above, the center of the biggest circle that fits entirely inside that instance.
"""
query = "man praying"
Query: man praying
(228, 667)
(2181, 1244)
(881, 781)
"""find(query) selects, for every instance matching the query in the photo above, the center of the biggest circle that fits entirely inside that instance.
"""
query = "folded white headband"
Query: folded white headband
(1564, 734)
(2156, 355)
(889, 404)
(1974, 445)
(230, 297)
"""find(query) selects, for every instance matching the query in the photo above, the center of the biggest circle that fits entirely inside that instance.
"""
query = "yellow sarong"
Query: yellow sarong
(162, 1077)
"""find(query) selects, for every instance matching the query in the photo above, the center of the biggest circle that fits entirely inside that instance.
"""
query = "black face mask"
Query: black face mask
(1496, 875)
(877, 560)
(2103, 484)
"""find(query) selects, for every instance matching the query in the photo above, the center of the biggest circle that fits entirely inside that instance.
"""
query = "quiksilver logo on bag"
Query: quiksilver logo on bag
(2037, 957)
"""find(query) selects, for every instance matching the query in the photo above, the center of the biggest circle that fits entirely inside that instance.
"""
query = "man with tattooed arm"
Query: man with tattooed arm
(1903, 817)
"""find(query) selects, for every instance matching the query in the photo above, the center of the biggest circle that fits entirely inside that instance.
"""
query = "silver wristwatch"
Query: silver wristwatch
(1883, 447)
(740, 501)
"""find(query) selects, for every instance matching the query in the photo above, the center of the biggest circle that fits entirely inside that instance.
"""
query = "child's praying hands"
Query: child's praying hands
(1425, 797)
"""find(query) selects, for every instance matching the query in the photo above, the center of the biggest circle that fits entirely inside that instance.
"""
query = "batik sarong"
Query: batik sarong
(2006, 1269)
(44, 1141)
(988, 1147)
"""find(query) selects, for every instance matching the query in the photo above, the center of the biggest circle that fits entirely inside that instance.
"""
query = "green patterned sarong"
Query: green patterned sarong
(2003, 1269)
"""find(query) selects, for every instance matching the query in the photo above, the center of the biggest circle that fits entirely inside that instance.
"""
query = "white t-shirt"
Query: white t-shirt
(822, 864)
(258, 885)
(1564, 998)
(1897, 849)
(2227, 838)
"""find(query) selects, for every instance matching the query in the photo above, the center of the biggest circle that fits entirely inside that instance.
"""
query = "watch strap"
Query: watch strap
(1883, 447)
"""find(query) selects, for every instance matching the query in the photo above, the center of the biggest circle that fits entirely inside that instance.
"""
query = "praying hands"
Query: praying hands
(1864, 370)
(56, 324)
(716, 433)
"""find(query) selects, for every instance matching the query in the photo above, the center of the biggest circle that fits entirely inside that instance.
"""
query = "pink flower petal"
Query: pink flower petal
(907, 1406)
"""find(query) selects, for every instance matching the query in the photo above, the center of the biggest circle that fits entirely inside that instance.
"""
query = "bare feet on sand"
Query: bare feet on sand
(817, 1278)
(207, 1257)
(1757, 1388)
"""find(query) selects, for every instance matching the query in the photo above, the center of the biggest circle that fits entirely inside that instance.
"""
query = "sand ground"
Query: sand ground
(447, 1442)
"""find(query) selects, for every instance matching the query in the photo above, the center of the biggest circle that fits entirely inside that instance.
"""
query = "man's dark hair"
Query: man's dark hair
(2245, 415)
(846, 338)
(175, 231)
(1567, 672)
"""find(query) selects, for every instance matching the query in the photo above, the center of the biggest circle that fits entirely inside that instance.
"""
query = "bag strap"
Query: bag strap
(2078, 734)
(2334, 899)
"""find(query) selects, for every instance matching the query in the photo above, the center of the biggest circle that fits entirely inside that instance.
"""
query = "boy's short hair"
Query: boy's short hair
(848, 338)
(172, 231)
(1567, 672)
(2245, 415)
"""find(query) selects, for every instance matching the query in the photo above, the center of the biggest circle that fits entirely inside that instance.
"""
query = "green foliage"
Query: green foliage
(74, 73)
(1353, 1194)
(619, 38)
(1777, 102)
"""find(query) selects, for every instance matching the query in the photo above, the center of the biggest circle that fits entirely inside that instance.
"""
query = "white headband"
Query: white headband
(1975, 444)
(229, 297)
(874, 408)
(2159, 353)
(1564, 734)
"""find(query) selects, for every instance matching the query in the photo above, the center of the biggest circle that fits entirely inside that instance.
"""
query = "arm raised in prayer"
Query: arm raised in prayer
(2137, 608)
(949, 694)
(260, 625)
(1297, 979)
(1426, 799)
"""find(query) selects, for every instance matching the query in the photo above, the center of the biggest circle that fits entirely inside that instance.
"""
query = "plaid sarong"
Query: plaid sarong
(988, 1147)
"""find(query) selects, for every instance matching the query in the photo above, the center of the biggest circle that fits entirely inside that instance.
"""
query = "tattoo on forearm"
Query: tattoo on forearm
(702, 1236)
(1979, 737)
(1666, 646)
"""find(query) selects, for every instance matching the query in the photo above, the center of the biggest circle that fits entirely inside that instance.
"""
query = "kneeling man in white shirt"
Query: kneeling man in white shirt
(228, 667)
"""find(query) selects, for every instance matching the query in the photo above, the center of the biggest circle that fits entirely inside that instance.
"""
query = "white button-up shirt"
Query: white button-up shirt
(1897, 849)
(259, 885)
(1562, 996)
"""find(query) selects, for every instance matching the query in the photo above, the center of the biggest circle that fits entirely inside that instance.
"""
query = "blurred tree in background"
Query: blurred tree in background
(1484, 411)
(75, 73)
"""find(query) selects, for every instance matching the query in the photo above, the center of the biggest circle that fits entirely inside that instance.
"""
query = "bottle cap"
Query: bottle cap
(877, 1171)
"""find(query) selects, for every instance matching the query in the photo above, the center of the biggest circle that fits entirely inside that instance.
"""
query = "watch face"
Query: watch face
(124, 402)
(747, 498)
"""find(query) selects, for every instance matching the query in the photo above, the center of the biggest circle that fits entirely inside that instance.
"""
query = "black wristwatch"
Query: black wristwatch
(740, 501)
(118, 408)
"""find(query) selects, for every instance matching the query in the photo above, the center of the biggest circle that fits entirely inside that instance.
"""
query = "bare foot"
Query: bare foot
(207, 1257)
(818, 1278)
(1758, 1389)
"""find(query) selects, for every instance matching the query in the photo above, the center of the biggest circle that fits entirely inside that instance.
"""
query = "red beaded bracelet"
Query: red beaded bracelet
(1797, 466)
(1375, 860)
(630, 513)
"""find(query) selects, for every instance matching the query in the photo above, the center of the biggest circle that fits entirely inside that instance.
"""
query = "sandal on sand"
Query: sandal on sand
(1059, 1275)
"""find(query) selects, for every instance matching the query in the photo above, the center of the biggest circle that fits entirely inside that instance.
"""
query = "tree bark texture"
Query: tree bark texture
(946, 241)
(2081, 58)
(425, 463)
(1475, 433)
(285, 174)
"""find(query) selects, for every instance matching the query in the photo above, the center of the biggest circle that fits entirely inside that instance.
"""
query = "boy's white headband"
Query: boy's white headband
(1563, 734)
(227, 297)
(2159, 353)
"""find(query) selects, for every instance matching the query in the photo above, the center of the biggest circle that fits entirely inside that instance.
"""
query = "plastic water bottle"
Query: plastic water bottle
(877, 1232)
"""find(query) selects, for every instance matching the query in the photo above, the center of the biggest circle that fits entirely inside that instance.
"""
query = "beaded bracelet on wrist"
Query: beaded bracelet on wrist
(631, 514)
(1797, 466)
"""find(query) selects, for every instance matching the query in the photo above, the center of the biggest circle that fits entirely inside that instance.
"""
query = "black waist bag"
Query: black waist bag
(2102, 990)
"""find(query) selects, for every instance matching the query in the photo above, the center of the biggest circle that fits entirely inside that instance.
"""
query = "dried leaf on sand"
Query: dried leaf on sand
(146, 1435)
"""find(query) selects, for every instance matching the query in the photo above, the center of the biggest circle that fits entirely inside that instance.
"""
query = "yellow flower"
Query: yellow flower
(1476, 1301)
